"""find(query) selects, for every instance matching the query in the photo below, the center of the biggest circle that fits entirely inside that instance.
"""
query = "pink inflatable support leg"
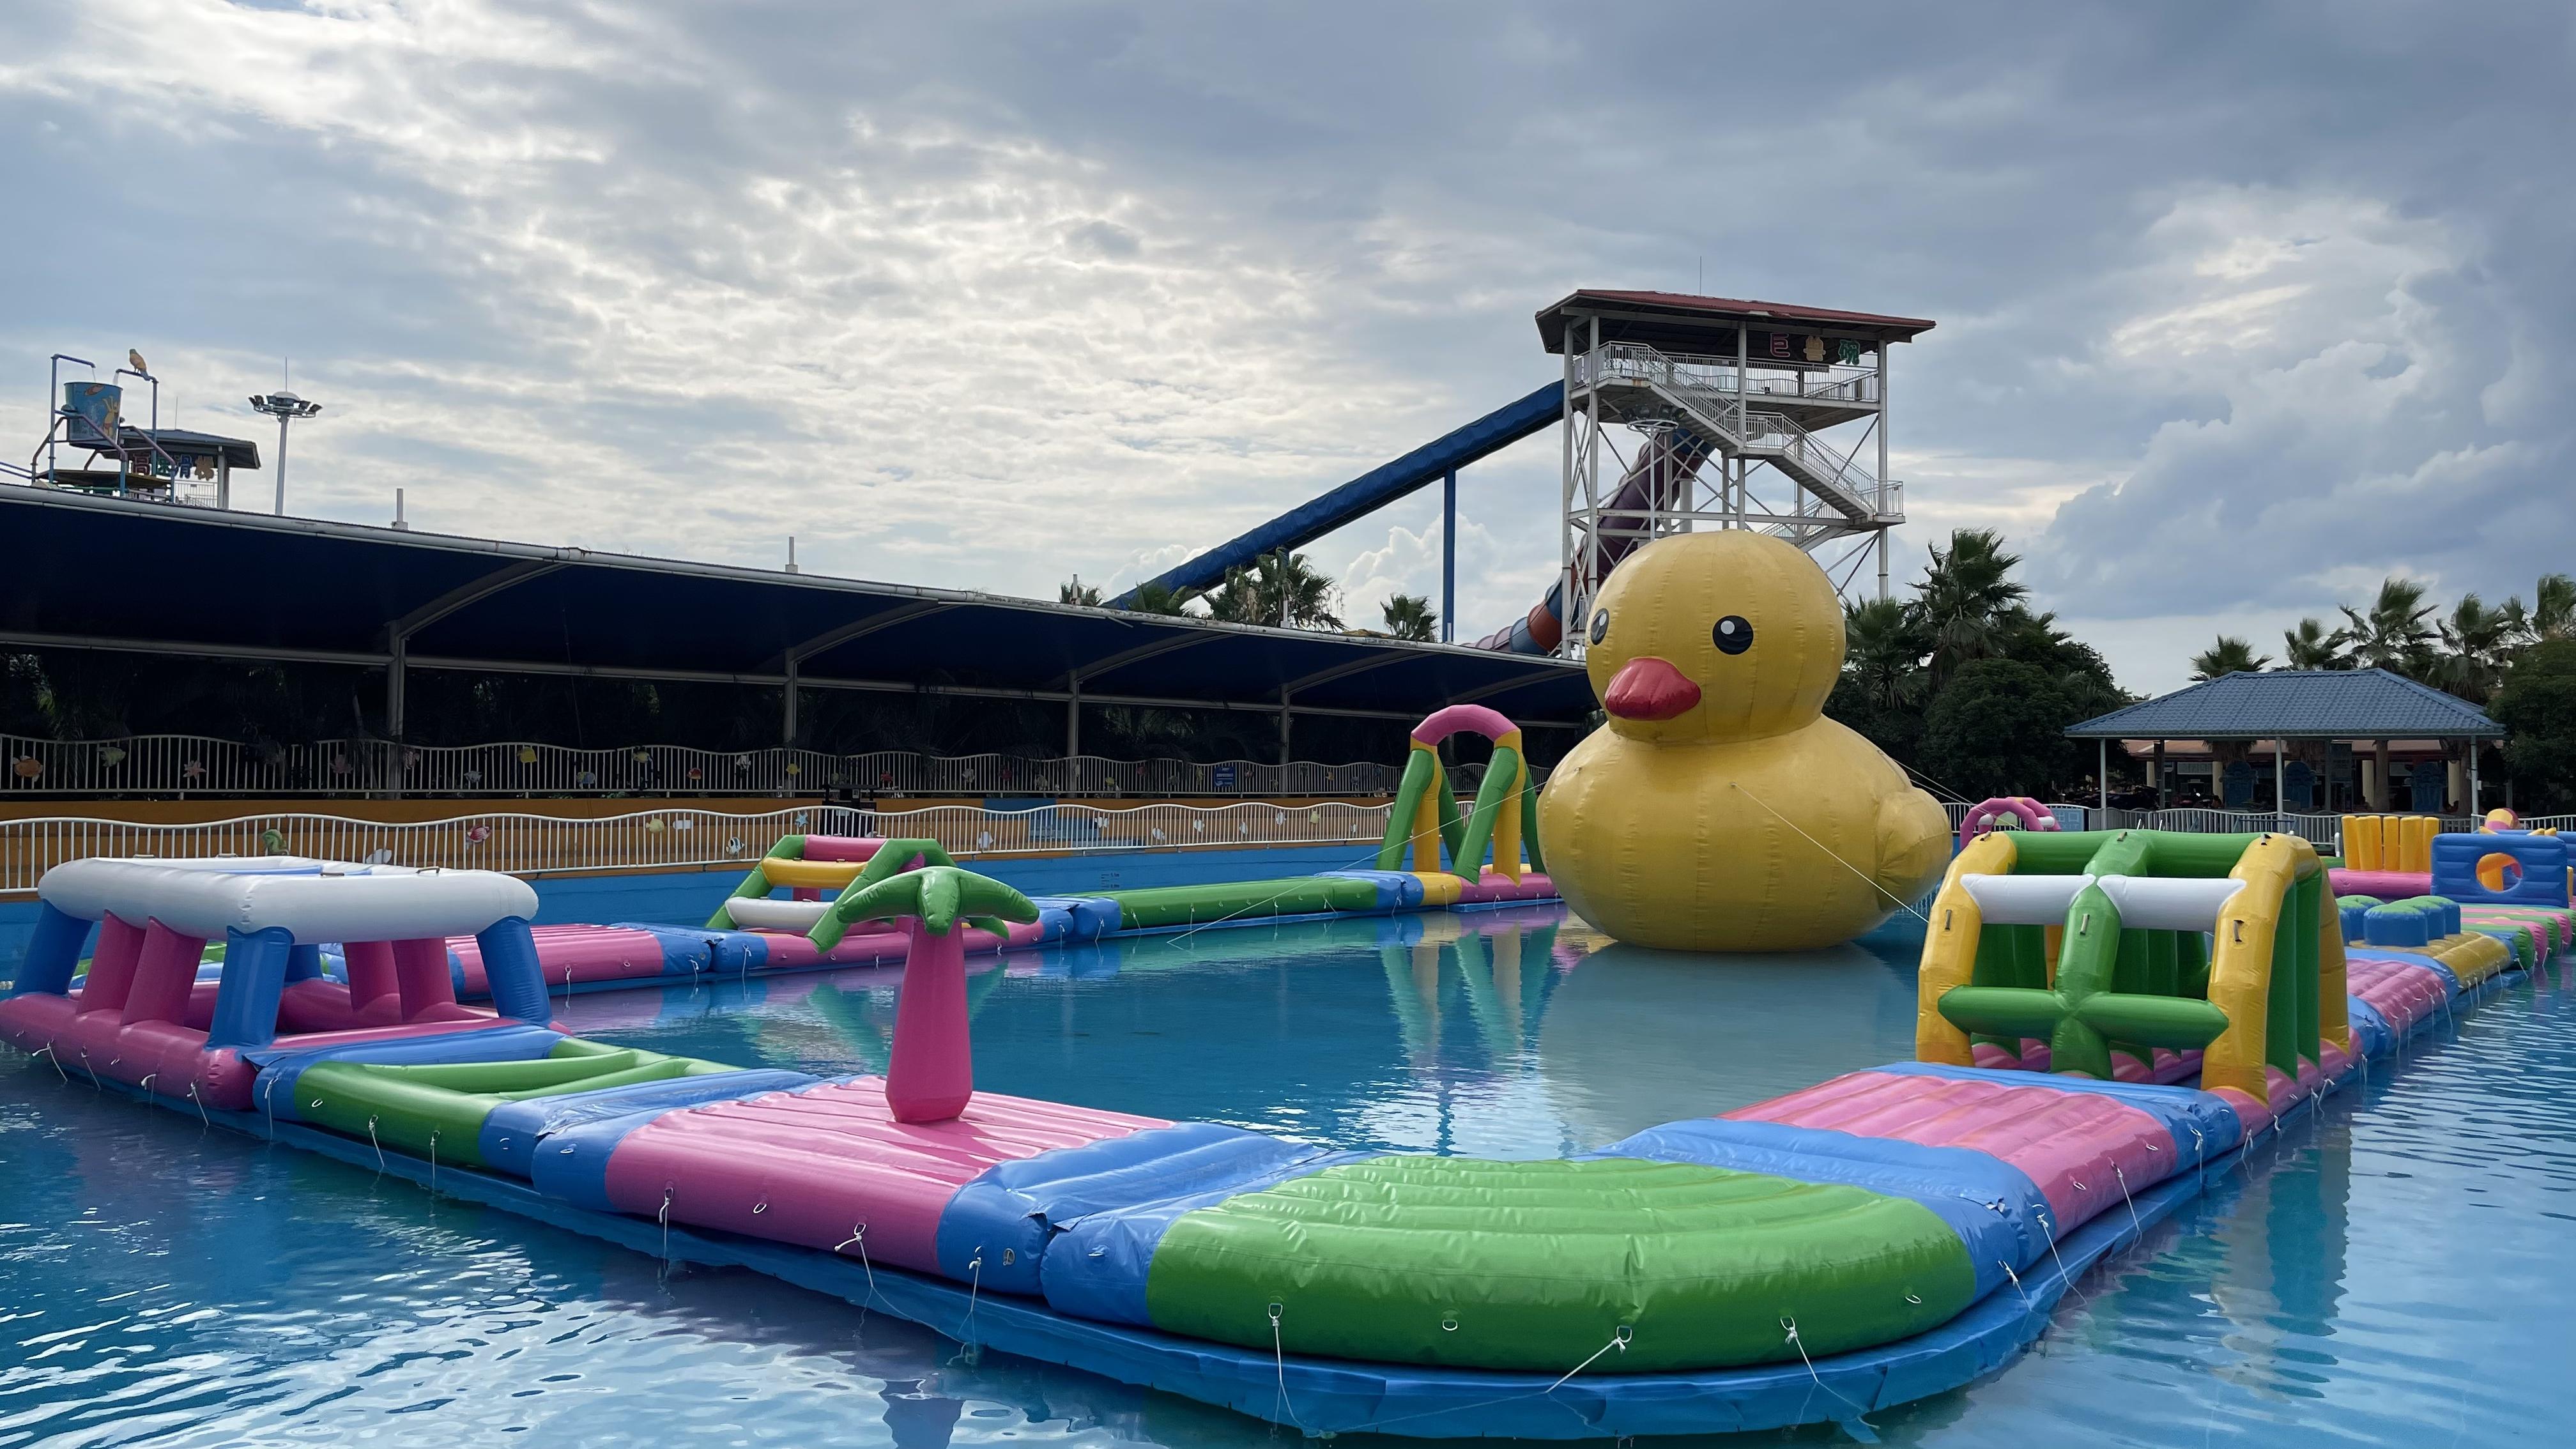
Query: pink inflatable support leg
(111, 964)
(372, 976)
(932, 1075)
(164, 973)
(421, 976)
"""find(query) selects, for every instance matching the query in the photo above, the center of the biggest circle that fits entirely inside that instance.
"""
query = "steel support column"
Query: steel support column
(1449, 557)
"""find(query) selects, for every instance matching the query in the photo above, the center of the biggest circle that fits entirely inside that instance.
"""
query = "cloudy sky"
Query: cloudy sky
(2241, 306)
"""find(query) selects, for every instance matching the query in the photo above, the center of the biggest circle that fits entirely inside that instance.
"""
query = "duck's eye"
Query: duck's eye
(1734, 634)
(1600, 625)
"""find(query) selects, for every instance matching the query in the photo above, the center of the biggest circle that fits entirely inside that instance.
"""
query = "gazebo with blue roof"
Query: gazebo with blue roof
(2297, 704)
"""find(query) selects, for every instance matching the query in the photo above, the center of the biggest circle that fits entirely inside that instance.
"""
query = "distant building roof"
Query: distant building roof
(2337, 704)
(1678, 319)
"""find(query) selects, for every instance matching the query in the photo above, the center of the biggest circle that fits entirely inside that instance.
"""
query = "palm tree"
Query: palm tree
(2393, 635)
(1410, 616)
(1280, 589)
(2476, 641)
(2313, 646)
(2553, 609)
(2228, 656)
(1884, 650)
(1964, 596)
(1078, 592)
(1160, 599)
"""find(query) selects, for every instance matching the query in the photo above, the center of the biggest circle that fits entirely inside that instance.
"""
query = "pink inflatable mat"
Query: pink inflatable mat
(810, 1166)
(2077, 1146)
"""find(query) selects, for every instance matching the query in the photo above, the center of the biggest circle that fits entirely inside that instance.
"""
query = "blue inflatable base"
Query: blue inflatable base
(1330, 1395)
(1334, 1396)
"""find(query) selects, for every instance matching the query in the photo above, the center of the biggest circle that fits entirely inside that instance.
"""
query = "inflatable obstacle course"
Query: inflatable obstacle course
(1884, 1235)
(785, 913)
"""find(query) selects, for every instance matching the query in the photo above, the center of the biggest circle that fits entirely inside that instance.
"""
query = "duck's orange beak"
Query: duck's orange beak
(1648, 688)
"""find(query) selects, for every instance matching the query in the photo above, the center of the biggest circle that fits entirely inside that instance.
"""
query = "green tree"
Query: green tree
(1410, 616)
(1075, 591)
(2228, 656)
(1998, 727)
(2313, 646)
(2394, 633)
(2537, 707)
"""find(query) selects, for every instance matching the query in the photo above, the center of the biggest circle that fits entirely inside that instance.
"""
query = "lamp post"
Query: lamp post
(286, 407)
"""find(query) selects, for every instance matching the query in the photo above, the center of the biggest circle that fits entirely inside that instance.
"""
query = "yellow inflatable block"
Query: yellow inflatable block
(827, 875)
(1950, 953)
(2416, 834)
(1439, 887)
(2364, 840)
(2472, 956)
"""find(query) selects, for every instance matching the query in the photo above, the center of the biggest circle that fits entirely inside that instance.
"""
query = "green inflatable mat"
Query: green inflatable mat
(1538, 1265)
(1197, 905)
(438, 1110)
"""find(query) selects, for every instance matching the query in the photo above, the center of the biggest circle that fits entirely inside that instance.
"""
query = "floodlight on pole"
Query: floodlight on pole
(286, 407)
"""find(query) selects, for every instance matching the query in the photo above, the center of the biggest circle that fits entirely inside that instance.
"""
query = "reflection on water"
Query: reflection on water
(2393, 1274)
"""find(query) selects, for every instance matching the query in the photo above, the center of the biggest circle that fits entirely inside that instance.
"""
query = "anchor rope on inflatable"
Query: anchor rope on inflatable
(1619, 1340)
(859, 1235)
(1279, 1368)
(2027, 1306)
(1905, 906)
(1859, 1414)
(2064, 1276)
(974, 1290)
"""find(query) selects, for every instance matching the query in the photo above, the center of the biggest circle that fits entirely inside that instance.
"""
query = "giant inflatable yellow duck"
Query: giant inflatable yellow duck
(1719, 810)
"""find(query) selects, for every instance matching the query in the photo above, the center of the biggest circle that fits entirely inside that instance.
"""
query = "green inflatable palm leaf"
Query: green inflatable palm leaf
(938, 895)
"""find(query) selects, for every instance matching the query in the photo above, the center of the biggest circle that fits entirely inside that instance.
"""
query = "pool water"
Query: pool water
(2397, 1271)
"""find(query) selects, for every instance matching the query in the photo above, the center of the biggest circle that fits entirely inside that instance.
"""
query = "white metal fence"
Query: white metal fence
(659, 839)
(195, 765)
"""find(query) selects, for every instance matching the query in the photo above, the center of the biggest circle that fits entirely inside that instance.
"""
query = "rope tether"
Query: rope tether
(859, 1235)
(1279, 1368)
(1905, 906)
(1791, 1326)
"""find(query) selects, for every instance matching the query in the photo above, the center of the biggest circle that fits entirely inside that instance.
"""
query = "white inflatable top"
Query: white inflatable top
(756, 914)
(318, 900)
(2146, 903)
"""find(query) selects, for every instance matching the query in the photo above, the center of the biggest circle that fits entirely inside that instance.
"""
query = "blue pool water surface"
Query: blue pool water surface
(2396, 1271)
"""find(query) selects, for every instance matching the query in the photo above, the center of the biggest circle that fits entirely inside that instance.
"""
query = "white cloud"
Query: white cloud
(993, 297)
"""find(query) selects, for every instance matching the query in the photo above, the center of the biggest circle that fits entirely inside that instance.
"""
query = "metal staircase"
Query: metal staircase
(1739, 431)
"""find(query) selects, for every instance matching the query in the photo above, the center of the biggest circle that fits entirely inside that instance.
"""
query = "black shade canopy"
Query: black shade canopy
(121, 574)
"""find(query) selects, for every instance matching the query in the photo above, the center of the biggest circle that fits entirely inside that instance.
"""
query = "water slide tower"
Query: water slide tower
(1685, 412)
